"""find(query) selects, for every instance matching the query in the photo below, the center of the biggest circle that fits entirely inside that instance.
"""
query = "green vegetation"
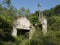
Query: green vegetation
(8, 14)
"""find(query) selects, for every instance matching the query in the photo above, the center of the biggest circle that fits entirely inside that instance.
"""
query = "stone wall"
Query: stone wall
(23, 23)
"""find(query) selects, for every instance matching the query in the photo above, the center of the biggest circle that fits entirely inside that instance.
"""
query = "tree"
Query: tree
(53, 15)
(7, 2)
(24, 12)
(6, 23)
(54, 23)
(34, 19)
(57, 9)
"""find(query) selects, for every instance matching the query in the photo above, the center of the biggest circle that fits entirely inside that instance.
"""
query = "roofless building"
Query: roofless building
(24, 27)
(43, 21)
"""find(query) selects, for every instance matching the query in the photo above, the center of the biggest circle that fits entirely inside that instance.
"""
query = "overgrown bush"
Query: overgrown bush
(51, 38)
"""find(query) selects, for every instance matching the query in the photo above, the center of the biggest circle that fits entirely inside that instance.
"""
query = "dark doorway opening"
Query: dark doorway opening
(40, 26)
(23, 32)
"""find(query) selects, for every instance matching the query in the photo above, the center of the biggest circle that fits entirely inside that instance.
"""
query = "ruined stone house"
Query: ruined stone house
(43, 21)
(22, 26)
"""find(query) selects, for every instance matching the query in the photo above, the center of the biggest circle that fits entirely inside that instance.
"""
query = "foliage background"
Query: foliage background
(7, 16)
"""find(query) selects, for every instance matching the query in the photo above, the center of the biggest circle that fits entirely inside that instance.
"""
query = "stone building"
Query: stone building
(22, 26)
(43, 20)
